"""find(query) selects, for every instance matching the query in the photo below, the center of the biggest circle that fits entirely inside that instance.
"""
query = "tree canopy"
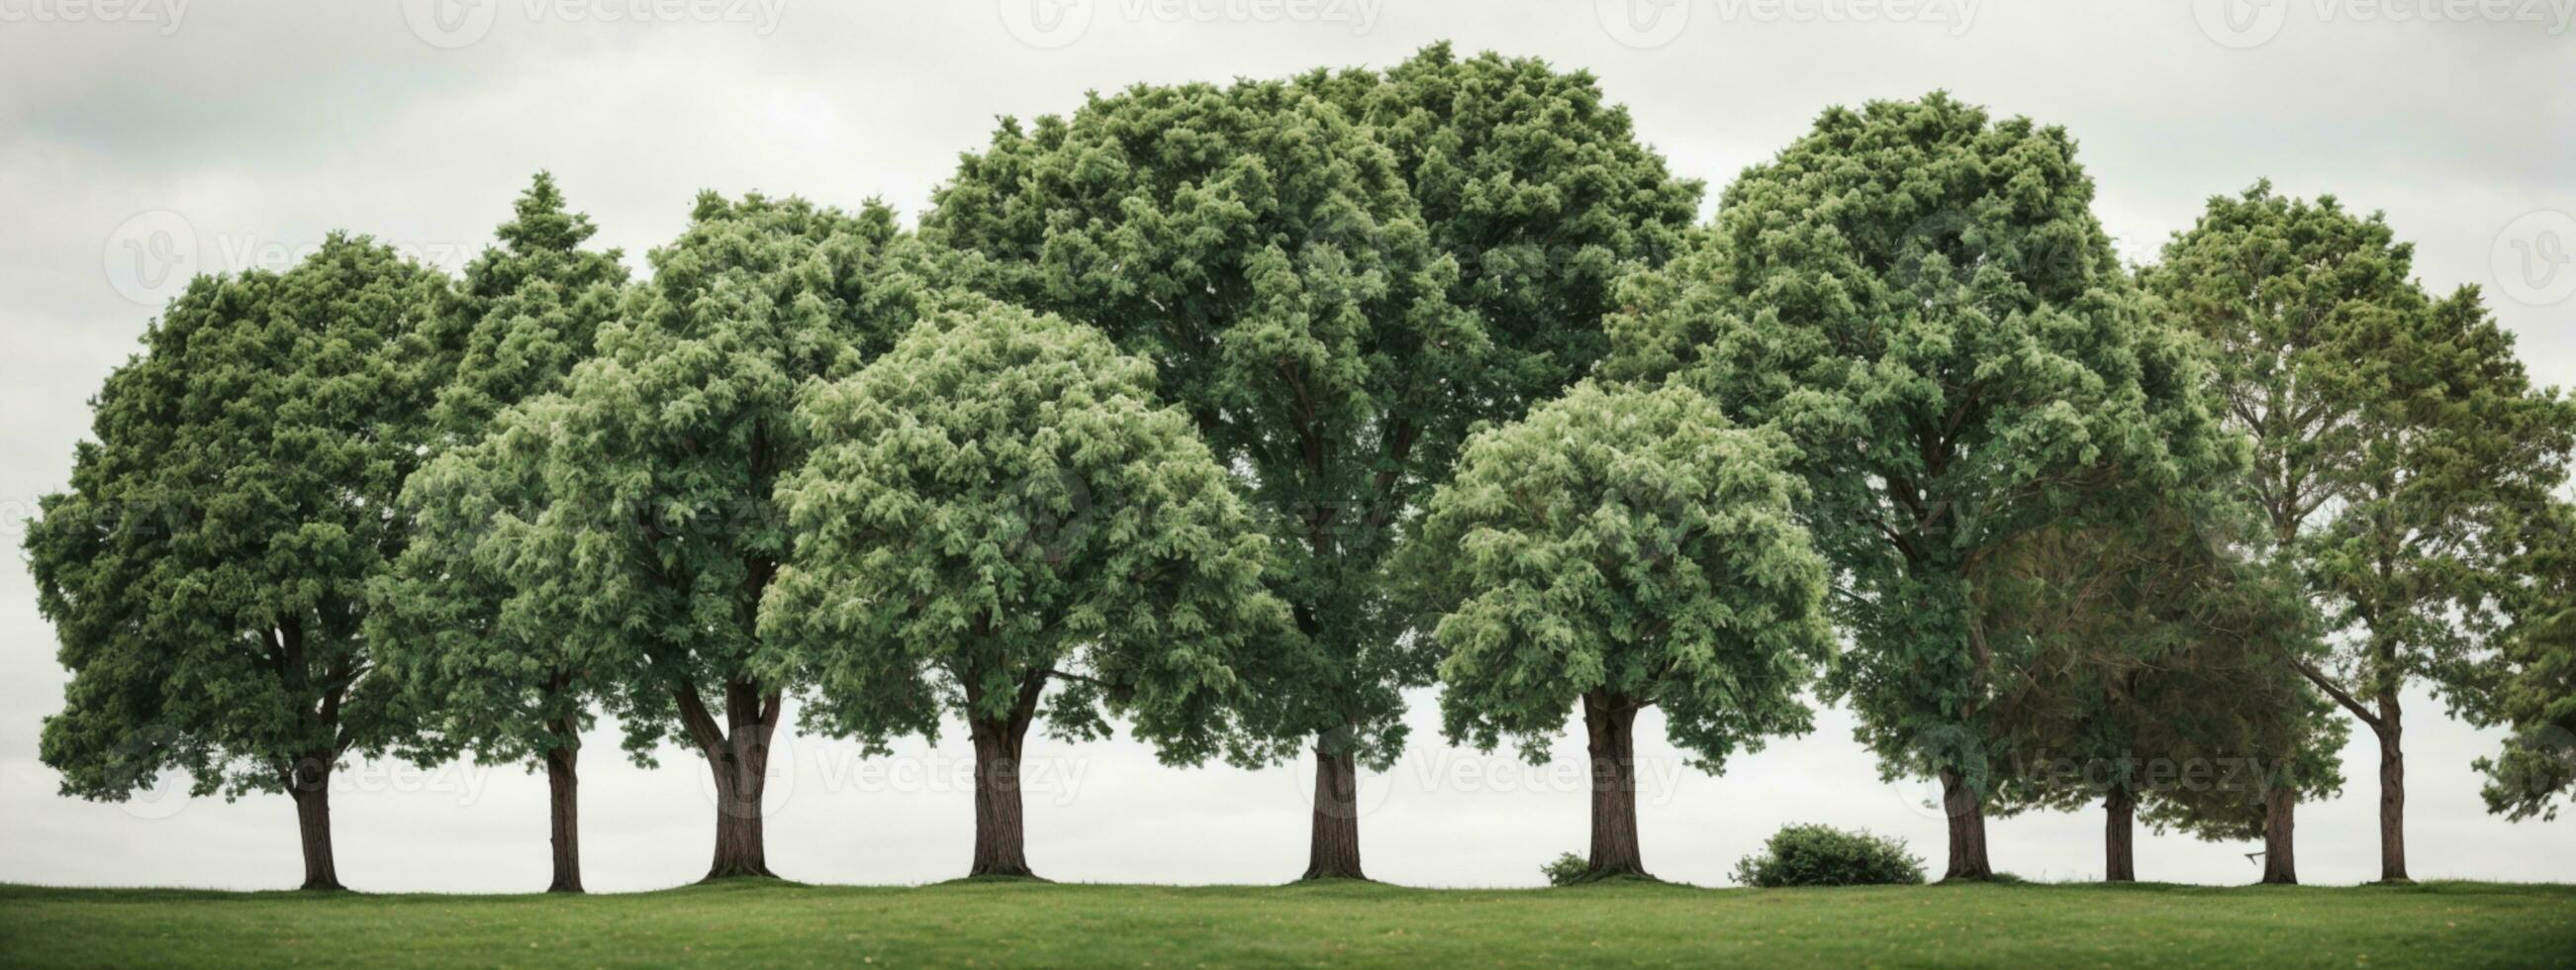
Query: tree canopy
(483, 656)
(1921, 299)
(1335, 277)
(1623, 550)
(659, 458)
(998, 505)
(206, 572)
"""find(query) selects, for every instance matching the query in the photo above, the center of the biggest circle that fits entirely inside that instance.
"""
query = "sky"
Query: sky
(142, 141)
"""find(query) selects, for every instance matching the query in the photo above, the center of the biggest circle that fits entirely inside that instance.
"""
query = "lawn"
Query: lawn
(1004, 924)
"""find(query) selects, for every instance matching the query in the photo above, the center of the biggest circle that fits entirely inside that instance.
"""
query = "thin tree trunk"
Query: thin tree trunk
(2392, 791)
(563, 783)
(1967, 812)
(309, 782)
(2119, 836)
(1610, 724)
(1001, 832)
(2280, 807)
(739, 759)
(1335, 852)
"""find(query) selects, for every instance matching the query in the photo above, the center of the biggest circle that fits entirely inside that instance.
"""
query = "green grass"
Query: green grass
(1039, 924)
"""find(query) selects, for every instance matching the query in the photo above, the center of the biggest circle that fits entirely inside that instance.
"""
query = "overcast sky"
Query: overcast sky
(144, 140)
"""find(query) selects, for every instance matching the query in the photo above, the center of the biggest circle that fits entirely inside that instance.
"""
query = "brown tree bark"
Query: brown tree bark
(1609, 723)
(1335, 851)
(2280, 808)
(737, 753)
(2392, 790)
(2119, 836)
(309, 783)
(1967, 812)
(1001, 832)
(563, 784)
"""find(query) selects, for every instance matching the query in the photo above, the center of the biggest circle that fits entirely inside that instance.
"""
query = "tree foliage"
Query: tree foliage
(488, 659)
(1922, 300)
(1632, 545)
(996, 505)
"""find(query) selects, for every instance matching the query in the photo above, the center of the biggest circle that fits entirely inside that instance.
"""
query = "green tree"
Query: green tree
(1621, 550)
(1922, 300)
(206, 571)
(2148, 674)
(657, 536)
(2529, 685)
(2399, 447)
(1334, 309)
(998, 505)
(483, 657)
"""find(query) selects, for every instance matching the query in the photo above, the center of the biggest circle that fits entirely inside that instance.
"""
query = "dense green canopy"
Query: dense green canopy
(2400, 451)
(998, 505)
(1922, 300)
(658, 460)
(206, 572)
(1632, 545)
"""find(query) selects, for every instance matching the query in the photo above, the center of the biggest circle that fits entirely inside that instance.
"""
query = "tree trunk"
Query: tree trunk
(1967, 811)
(1610, 723)
(1001, 837)
(739, 757)
(2280, 807)
(564, 786)
(1335, 851)
(2119, 836)
(2392, 791)
(310, 785)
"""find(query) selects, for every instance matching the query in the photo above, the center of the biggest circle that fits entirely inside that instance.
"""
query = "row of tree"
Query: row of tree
(1232, 412)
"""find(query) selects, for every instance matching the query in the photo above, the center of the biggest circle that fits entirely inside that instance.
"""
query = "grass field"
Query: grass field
(1023, 924)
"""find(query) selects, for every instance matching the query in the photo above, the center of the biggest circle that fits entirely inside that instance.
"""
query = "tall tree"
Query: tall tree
(1620, 551)
(206, 571)
(481, 655)
(2399, 446)
(996, 506)
(2148, 674)
(658, 460)
(1336, 278)
(1922, 300)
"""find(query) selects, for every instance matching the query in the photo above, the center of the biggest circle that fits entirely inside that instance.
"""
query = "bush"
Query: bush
(1567, 870)
(1821, 855)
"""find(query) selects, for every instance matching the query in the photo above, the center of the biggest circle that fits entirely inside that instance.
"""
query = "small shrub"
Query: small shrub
(1567, 870)
(1821, 855)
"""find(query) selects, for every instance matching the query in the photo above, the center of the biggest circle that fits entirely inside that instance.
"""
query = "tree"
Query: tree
(658, 459)
(2529, 685)
(1923, 301)
(1336, 278)
(1621, 550)
(2149, 675)
(998, 505)
(2399, 446)
(482, 656)
(206, 571)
